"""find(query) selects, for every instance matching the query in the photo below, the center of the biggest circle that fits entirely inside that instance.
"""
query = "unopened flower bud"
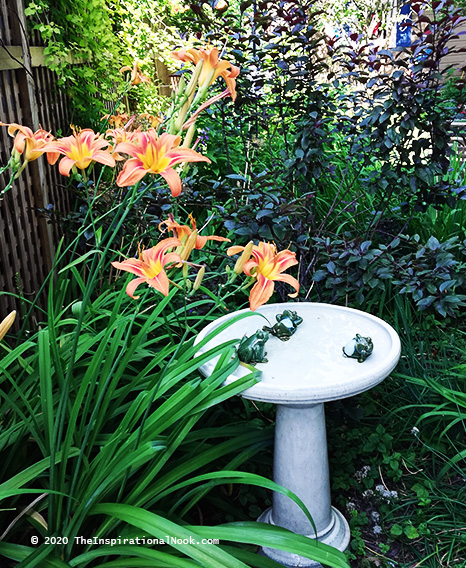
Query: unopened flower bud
(189, 137)
(195, 76)
(204, 88)
(199, 277)
(6, 324)
(185, 270)
(181, 116)
(15, 158)
(245, 256)
(181, 84)
(189, 245)
(208, 80)
(77, 308)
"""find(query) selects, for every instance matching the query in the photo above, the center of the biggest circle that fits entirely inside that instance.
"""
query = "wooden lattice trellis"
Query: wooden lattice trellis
(28, 96)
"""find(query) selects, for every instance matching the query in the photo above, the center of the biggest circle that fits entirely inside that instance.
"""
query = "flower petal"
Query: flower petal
(160, 283)
(65, 166)
(131, 173)
(248, 267)
(291, 281)
(201, 241)
(185, 155)
(127, 148)
(171, 257)
(165, 139)
(156, 254)
(132, 265)
(130, 289)
(52, 157)
(236, 249)
(261, 292)
(284, 259)
(173, 180)
(104, 158)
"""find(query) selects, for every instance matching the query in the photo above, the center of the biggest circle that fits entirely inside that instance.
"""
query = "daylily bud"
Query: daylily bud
(204, 88)
(77, 308)
(245, 256)
(189, 245)
(15, 158)
(182, 84)
(199, 277)
(193, 82)
(6, 324)
(189, 137)
(181, 116)
(185, 270)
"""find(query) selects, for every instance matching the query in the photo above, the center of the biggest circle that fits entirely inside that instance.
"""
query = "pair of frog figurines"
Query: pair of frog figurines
(252, 349)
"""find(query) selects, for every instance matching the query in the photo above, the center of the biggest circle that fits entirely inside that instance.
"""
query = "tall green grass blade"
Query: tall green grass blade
(20, 553)
(138, 553)
(33, 471)
(208, 555)
(272, 536)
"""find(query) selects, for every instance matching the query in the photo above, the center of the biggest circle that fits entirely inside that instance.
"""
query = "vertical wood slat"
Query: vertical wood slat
(28, 97)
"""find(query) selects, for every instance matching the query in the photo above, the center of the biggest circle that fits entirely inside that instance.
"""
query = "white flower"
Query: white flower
(375, 516)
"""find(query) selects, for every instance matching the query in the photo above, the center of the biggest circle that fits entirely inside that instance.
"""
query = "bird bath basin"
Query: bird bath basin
(300, 376)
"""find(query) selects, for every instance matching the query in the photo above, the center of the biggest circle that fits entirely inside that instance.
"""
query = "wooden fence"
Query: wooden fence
(28, 96)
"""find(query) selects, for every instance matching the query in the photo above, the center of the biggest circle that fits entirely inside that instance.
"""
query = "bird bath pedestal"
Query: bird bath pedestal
(300, 376)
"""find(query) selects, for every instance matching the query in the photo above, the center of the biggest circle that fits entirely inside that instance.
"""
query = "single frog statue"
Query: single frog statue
(287, 324)
(252, 349)
(359, 348)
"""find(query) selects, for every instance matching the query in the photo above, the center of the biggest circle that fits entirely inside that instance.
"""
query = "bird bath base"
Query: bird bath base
(337, 536)
(300, 376)
(301, 465)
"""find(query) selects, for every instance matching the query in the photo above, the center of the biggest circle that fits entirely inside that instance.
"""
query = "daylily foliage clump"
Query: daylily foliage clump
(158, 150)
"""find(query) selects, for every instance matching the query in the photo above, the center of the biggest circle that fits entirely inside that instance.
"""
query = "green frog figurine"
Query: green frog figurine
(252, 349)
(358, 348)
(287, 324)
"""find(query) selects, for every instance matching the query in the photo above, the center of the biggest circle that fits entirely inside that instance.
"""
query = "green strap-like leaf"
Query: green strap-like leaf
(272, 536)
(208, 555)
(33, 471)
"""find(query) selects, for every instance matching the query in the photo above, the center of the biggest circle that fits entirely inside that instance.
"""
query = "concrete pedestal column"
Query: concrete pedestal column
(301, 465)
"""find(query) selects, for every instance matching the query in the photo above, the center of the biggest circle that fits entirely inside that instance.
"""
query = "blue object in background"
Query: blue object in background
(403, 28)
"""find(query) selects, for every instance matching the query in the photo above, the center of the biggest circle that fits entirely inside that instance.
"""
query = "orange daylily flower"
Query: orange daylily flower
(150, 267)
(30, 144)
(211, 62)
(116, 120)
(80, 150)
(267, 266)
(121, 135)
(182, 231)
(154, 121)
(136, 76)
(155, 155)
